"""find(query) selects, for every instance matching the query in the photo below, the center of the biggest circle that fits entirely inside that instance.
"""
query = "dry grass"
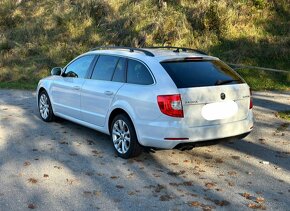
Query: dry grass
(37, 35)
(284, 115)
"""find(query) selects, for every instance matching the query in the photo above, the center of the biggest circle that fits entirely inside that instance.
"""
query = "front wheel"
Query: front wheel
(124, 137)
(45, 108)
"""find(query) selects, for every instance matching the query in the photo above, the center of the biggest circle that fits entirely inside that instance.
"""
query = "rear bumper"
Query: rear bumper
(154, 134)
(190, 145)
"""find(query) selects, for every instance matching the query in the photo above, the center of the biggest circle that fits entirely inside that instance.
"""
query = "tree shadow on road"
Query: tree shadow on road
(84, 173)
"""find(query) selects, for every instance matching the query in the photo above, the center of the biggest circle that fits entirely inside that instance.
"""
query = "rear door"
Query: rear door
(211, 92)
(66, 89)
(99, 91)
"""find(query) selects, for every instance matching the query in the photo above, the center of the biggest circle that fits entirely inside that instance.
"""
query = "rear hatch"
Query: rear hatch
(211, 92)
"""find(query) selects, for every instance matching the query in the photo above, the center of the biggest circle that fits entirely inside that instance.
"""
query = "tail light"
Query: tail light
(251, 100)
(170, 105)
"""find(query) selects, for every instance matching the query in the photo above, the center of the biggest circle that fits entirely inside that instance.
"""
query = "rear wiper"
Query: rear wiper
(220, 82)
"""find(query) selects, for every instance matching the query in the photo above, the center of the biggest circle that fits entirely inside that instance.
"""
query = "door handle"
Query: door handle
(77, 87)
(108, 93)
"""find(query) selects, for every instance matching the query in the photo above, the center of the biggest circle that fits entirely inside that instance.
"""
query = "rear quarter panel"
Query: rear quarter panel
(140, 101)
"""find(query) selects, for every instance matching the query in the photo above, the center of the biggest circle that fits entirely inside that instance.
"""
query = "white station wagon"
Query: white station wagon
(167, 97)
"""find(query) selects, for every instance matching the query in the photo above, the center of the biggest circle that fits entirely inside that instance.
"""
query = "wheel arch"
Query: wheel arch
(44, 88)
(116, 112)
(40, 89)
(119, 110)
(122, 105)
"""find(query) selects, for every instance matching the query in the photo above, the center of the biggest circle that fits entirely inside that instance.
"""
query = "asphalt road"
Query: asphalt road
(64, 166)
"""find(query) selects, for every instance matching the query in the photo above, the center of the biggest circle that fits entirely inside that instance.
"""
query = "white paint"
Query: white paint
(90, 103)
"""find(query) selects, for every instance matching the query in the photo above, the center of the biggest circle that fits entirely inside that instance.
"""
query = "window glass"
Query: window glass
(119, 74)
(79, 67)
(105, 67)
(187, 74)
(137, 73)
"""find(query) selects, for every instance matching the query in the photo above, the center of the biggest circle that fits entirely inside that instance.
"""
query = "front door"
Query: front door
(66, 89)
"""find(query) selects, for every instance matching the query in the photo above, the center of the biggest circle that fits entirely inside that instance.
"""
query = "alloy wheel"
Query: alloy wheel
(121, 136)
(44, 106)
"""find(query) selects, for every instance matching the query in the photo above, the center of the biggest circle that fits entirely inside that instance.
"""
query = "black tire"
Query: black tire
(134, 148)
(50, 115)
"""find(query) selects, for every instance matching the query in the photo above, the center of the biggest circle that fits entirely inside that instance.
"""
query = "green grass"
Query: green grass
(266, 80)
(18, 85)
(38, 35)
(284, 115)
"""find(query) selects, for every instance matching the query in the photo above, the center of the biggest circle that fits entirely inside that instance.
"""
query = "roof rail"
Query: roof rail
(146, 52)
(177, 49)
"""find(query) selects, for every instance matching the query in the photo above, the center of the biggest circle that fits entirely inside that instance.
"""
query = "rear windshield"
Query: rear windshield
(199, 73)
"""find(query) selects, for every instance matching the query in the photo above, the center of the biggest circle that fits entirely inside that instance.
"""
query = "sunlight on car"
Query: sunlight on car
(159, 97)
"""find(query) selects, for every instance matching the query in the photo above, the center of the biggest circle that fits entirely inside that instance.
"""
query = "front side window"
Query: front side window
(79, 67)
(105, 67)
(137, 73)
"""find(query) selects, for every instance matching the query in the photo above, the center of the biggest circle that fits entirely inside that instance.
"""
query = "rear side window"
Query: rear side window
(137, 73)
(120, 71)
(105, 67)
(199, 73)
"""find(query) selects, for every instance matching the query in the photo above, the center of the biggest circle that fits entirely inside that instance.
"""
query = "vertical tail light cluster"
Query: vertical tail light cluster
(171, 105)
(251, 100)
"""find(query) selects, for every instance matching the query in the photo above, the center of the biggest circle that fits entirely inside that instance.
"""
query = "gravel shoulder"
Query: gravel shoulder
(64, 166)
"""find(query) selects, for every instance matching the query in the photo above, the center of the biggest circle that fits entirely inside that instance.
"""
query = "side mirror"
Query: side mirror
(56, 71)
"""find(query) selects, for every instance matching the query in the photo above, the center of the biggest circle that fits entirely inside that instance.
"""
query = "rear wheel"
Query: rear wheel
(44, 107)
(124, 137)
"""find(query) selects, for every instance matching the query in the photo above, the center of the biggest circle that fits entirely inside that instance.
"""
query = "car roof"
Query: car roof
(158, 54)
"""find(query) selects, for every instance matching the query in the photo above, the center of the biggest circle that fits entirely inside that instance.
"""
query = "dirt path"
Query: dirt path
(64, 166)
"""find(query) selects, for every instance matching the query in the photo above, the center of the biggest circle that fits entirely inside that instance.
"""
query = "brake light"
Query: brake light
(251, 100)
(193, 58)
(170, 105)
